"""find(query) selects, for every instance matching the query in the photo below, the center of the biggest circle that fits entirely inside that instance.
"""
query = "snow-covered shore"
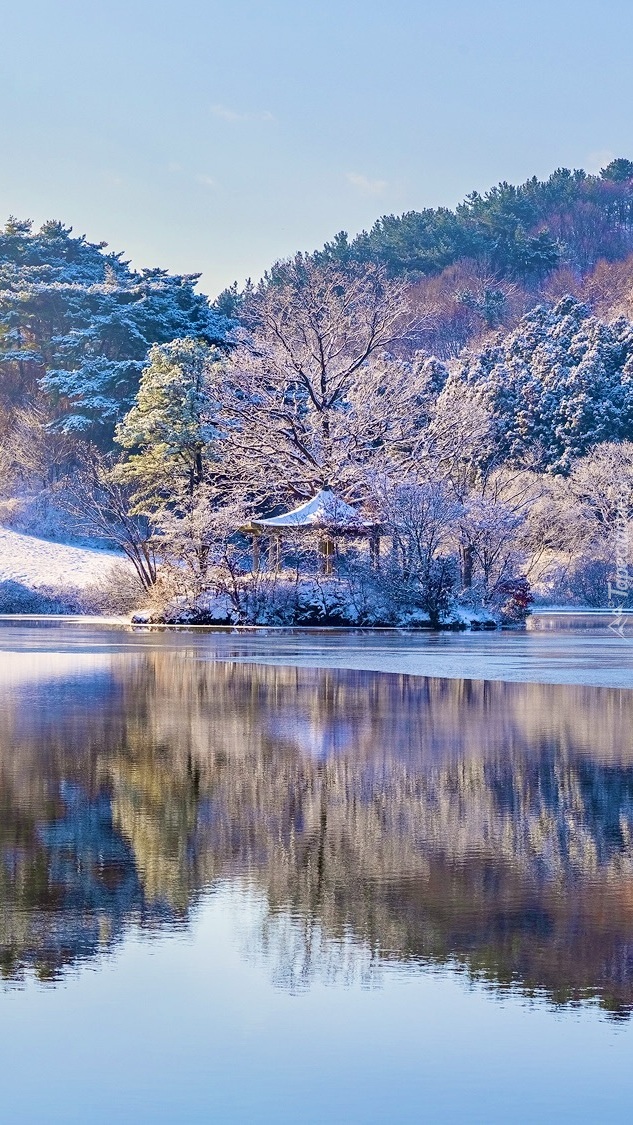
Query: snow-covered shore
(44, 564)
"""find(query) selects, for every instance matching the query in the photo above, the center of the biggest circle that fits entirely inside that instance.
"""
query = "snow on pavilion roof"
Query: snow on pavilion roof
(323, 510)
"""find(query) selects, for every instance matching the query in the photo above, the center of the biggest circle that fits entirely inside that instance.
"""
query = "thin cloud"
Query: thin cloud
(364, 184)
(225, 113)
(208, 181)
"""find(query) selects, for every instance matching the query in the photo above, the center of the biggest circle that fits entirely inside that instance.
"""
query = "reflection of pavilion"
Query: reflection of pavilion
(316, 738)
(327, 515)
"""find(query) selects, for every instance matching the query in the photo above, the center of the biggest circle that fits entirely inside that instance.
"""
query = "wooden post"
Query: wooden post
(374, 550)
(326, 547)
(274, 553)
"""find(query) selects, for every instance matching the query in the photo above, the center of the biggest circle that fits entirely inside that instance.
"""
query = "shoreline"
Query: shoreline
(554, 650)
(224, 627)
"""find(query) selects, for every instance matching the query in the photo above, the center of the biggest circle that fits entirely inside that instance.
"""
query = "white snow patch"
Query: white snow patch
(37, 562)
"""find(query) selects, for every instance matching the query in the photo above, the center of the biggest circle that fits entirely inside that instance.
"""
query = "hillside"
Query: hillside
(38, 563)
(482, 266)
(464, 378)
(43, 576)
(523, 232)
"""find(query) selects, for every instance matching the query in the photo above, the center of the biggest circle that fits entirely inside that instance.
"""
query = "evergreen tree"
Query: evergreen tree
(76, 323)
(522, 232)
(559, 384)
(619, 170)
(169, 431)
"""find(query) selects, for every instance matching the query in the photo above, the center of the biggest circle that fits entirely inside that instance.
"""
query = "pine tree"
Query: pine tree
(170, 430)
(556, 386)
(76, 323)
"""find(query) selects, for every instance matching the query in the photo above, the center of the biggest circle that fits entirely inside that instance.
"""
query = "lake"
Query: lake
(281, 876)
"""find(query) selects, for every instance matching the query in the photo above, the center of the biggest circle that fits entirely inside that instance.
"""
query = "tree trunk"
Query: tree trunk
(274, 554)
(374, 551)
(198, 466)
(467, 567)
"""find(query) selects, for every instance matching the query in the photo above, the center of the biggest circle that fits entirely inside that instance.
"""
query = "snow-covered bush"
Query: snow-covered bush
(17, 598)
(117, 594)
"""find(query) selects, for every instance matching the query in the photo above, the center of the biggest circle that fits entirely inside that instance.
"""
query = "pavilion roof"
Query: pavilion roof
(326, 510)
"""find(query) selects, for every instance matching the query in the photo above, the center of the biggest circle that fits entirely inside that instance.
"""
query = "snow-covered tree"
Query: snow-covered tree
(420, 519)
(557, 385)
(492, 536)
(76, 323)
(171, 464)
(314, 400)
(170, 430)
(584, 524)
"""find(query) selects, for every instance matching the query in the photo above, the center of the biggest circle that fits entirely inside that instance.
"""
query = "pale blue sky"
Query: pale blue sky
(216, 137)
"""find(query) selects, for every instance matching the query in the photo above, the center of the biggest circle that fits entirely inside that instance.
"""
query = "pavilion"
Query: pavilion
(325, 514)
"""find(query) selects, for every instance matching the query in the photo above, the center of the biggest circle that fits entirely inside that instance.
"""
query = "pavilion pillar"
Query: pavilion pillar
(374, 550)
(274, 553)
(326, 547)
(255, 554)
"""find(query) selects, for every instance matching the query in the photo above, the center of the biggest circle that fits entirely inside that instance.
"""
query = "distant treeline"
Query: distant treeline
(523, 232)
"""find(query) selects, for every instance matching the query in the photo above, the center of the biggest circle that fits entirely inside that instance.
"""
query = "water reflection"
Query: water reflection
(381, 818)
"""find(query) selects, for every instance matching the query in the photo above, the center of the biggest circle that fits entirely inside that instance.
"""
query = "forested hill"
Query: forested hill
(480, 268)
(76, 323)
(522, 233)
(481, 410)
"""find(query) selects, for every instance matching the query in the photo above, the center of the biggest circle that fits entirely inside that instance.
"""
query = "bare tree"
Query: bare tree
(494, 542)
(420, 520)
(101, 509)
(311, 400)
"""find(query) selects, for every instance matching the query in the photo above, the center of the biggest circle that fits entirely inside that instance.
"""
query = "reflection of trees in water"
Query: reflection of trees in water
(296, 947)
(69, 887)
(383, 817)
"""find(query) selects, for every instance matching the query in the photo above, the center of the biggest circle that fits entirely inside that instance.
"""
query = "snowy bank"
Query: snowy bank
(41, 563)
(332, 602)
(44, 576)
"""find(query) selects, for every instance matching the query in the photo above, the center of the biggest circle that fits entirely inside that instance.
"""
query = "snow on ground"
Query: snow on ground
(40, 562)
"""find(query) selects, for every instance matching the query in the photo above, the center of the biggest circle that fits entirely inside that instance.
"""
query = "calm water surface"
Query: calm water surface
(315, 877)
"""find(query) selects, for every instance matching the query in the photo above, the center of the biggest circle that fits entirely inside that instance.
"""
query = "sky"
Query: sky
(217, 137)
